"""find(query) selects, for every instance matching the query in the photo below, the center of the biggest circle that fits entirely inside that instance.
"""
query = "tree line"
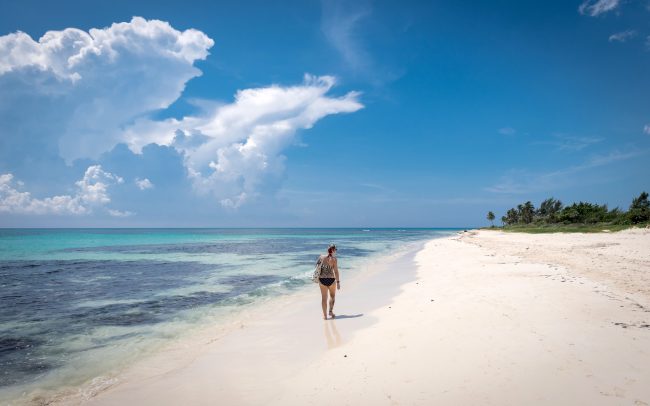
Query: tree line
(552, 211)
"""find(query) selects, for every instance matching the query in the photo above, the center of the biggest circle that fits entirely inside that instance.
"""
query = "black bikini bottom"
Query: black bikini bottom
(326, 281)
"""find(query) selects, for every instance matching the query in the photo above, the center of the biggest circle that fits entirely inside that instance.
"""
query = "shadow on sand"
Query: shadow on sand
(347, 316)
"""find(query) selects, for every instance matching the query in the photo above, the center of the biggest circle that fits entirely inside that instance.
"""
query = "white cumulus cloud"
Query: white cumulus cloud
(236, 149)
(92, 192)
(143, 184)
(245, 139)
(594, 8)
(88, 86)
(69, 53)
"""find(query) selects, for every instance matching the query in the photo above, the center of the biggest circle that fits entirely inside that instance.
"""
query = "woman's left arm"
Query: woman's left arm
(336, 273)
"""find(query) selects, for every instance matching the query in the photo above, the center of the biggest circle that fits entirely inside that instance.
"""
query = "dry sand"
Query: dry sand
(480, 318)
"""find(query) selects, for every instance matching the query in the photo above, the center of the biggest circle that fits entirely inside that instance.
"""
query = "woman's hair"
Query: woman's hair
(331, 249)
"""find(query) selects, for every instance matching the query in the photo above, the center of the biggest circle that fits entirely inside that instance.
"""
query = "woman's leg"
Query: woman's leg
(323, 296)
(332, 290)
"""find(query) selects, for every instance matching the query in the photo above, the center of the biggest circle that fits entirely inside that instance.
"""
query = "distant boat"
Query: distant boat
(365, 230)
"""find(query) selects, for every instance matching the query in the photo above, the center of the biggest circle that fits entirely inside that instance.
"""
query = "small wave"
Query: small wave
(97, 385)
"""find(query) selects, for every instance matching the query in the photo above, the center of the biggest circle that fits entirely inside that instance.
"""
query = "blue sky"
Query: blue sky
(332, 113)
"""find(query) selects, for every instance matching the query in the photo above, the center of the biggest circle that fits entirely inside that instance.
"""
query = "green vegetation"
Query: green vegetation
(553, 216)
(490, 217)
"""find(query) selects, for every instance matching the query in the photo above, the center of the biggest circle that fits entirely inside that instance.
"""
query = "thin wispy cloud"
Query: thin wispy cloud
(571, 143)
(646, 129)
(373, 186)
(507, 131)
(118, 213)
(622, 36)
(595, 8)
(340, 25)
(324, 196)
(442, 201)
(344, 25)
(521, 181)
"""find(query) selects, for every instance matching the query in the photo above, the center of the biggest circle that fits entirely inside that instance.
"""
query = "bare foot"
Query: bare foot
(332, 315)
(324, 317)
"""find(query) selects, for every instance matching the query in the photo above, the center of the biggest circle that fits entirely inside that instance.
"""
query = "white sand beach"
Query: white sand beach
(483, 317)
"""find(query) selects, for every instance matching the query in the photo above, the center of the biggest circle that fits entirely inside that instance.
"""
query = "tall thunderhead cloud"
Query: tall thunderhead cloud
(72, 92)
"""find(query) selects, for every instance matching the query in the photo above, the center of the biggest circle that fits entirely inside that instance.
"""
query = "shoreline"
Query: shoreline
(294, 324)
(477, 317)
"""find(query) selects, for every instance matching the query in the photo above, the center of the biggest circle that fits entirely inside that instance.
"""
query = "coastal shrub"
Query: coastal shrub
(639, 209)
(583, 212)
(552, 211)
(614, 215)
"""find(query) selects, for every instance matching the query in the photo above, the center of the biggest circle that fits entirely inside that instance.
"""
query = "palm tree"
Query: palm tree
(526, 212)
(512, 217)
(490, 217)
(549, 209)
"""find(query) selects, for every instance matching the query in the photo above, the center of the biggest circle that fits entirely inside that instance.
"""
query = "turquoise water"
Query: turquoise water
(77, 303)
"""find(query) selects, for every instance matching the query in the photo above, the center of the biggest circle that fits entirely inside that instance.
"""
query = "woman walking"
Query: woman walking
(329, 273)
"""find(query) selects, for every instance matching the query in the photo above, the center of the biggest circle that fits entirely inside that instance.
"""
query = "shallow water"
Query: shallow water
(75, 304)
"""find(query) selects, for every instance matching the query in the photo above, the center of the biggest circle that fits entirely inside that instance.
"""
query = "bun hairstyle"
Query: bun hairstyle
(331, 249)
